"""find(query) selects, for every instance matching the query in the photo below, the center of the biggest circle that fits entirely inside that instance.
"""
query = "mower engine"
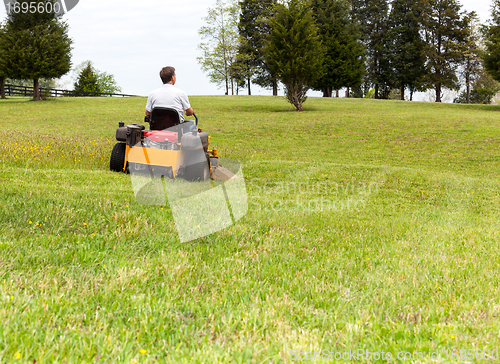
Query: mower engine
(161, 139)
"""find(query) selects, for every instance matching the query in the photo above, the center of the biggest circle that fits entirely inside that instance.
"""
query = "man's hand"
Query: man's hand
(148, 113)
(189, 112)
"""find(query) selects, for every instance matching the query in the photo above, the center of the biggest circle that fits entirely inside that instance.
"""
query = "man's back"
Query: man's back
(168, 96)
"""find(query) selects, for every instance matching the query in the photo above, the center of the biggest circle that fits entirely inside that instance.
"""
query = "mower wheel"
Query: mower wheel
(117, 159)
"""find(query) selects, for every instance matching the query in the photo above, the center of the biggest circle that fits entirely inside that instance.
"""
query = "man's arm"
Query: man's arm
(148, 113)
(189, 111)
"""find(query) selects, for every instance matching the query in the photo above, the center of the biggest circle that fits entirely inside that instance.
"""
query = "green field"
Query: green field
(372, 225)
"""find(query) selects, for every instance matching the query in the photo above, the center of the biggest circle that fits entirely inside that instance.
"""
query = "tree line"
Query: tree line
(371, 48)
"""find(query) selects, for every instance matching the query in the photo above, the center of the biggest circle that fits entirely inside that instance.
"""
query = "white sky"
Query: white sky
(134, 39)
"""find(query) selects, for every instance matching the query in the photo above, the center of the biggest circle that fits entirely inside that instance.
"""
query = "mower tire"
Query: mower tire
(117, 159)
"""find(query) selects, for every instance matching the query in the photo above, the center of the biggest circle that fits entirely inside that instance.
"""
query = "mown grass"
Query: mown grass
(372, 225)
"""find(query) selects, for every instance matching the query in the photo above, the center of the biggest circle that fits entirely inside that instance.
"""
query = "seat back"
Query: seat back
(163, 118)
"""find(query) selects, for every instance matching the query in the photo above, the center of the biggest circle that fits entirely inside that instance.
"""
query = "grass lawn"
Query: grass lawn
(373, 226)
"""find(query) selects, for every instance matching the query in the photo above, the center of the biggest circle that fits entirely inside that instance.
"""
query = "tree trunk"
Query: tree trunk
(327, 92)
(336, 93)
(347, 92)
(411, 95)
(2, 87)
(275, 88)
(402, 93)
(438, 92)
(298, 105)
(467, 79)
(467, 83)
(249, 91)
(36, 90)
(376, 90)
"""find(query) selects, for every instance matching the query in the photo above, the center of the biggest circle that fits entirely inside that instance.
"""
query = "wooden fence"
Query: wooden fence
(14, 90)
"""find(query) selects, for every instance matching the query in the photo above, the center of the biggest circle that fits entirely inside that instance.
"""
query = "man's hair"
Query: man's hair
(166, 74)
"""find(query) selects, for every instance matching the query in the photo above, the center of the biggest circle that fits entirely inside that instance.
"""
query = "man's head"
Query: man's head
(167, 74)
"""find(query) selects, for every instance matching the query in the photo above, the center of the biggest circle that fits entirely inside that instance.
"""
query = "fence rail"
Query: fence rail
(15, 90)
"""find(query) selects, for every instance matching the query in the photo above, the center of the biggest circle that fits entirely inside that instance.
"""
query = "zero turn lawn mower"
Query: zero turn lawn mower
(170, 148)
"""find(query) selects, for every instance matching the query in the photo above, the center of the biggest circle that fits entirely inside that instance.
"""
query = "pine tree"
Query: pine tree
(372, 17)
(405, 46)
(253, 29)
(35, 45)
(492, 34)
(87, 80)
(2, 71)
(90, 79)
(293, 50)
(471, 65)
(343, 57)
(444, 28)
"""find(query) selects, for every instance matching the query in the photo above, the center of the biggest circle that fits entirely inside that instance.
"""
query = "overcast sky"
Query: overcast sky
(134, 39)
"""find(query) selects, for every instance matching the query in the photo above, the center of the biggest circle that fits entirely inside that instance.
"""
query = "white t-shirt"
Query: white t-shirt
(168, 96)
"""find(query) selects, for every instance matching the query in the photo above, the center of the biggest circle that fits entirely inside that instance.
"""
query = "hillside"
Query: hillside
(372, 225)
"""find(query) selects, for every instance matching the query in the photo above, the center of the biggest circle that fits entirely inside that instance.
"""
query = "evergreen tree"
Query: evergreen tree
(87, 80)
(35, 45)
(471, 65)
(293, 50)
(343, 57)
(492, 35)
(482, 91)
(405, 45)
(444, 29)
(372, 17)
(2, 71)
(253, 29)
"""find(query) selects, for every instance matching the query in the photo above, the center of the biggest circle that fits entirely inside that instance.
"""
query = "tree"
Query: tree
(220, 46)
(492, 34)
(89, 79)
(253, 27)
(293, 50)
(2, 72)
(444, 29)
(405, 45)
(343, 57)
(372, 17)
(107, 83)
(483, 89)
(471, 65)
(35, 45)
(242, 72)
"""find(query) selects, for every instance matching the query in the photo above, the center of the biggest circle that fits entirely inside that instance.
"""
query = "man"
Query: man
(169, 96)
